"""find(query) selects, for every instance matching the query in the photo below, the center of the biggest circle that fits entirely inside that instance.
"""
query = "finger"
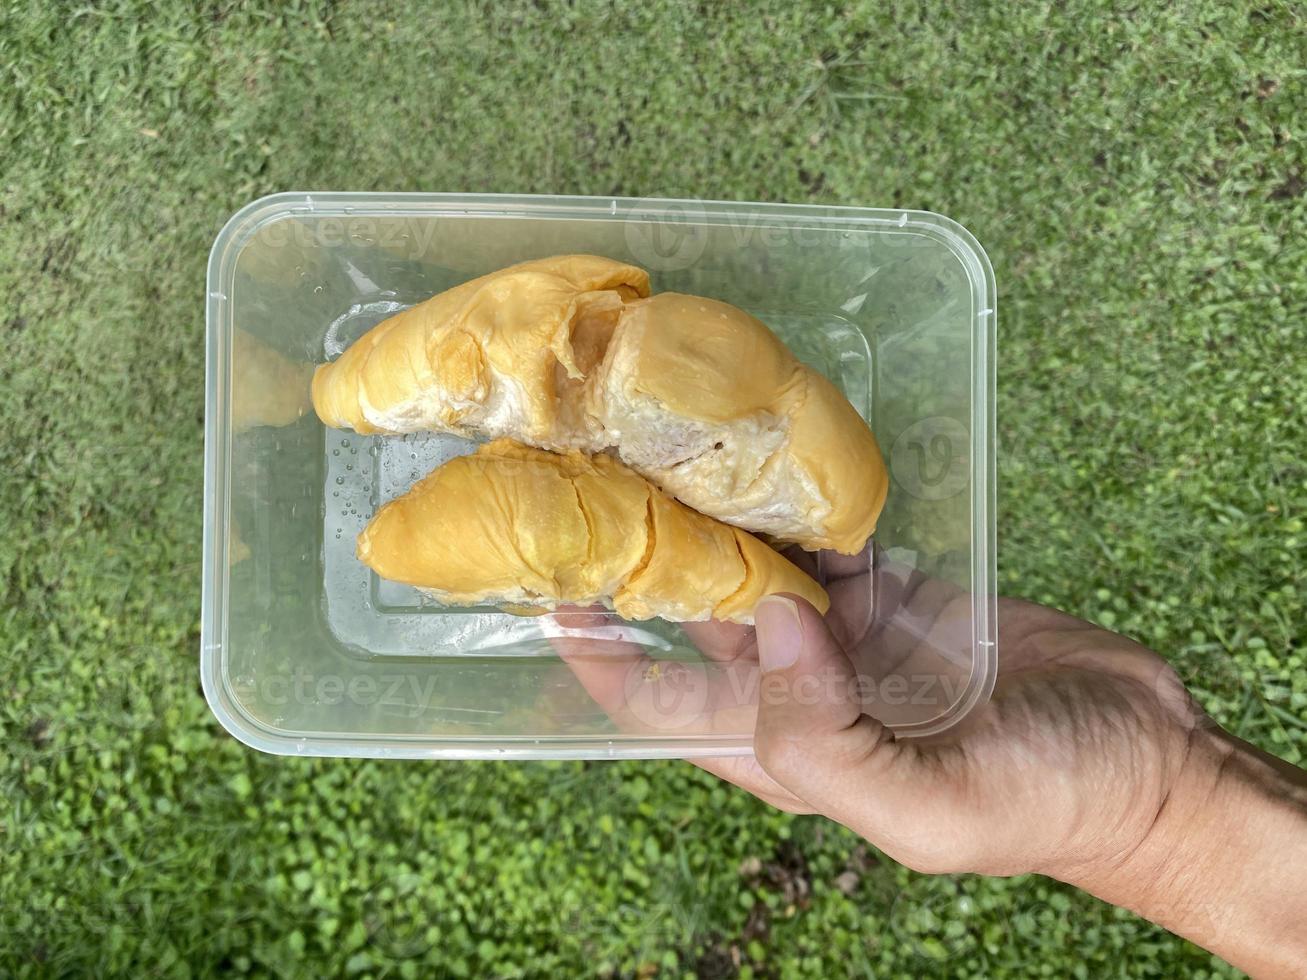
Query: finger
(580, 617)
(602, 663)
(719, 640)
(812, 736)
(852, 609)
(745, 772)
(848, 581)
(833, 566)
(912, 613)
(645, 695)
(630, 687)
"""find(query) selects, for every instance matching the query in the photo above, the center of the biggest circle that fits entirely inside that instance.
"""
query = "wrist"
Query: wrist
(1222, 863)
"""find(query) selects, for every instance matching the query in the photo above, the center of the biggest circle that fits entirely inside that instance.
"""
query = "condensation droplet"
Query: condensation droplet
(340, 481)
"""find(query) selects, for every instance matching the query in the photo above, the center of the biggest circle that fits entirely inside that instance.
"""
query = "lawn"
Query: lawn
(1140, 183)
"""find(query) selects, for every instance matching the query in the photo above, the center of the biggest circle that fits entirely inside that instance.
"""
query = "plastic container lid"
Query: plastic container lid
(305, 651)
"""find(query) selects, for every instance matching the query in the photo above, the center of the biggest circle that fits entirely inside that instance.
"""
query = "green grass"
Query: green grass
(1138, 181)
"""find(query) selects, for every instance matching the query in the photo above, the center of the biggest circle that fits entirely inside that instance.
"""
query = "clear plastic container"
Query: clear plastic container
(305, 651)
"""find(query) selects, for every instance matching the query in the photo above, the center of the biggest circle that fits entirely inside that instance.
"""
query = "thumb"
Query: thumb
(811, 735)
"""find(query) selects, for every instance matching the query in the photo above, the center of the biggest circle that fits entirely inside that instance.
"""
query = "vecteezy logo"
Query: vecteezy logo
(929, 458)
(666, 695)
(666, 236)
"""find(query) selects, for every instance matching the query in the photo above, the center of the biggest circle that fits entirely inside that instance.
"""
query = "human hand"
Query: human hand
(1031, 782)
(1090, 763)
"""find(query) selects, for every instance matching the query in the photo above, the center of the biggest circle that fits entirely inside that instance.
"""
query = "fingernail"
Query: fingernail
(780, 632)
